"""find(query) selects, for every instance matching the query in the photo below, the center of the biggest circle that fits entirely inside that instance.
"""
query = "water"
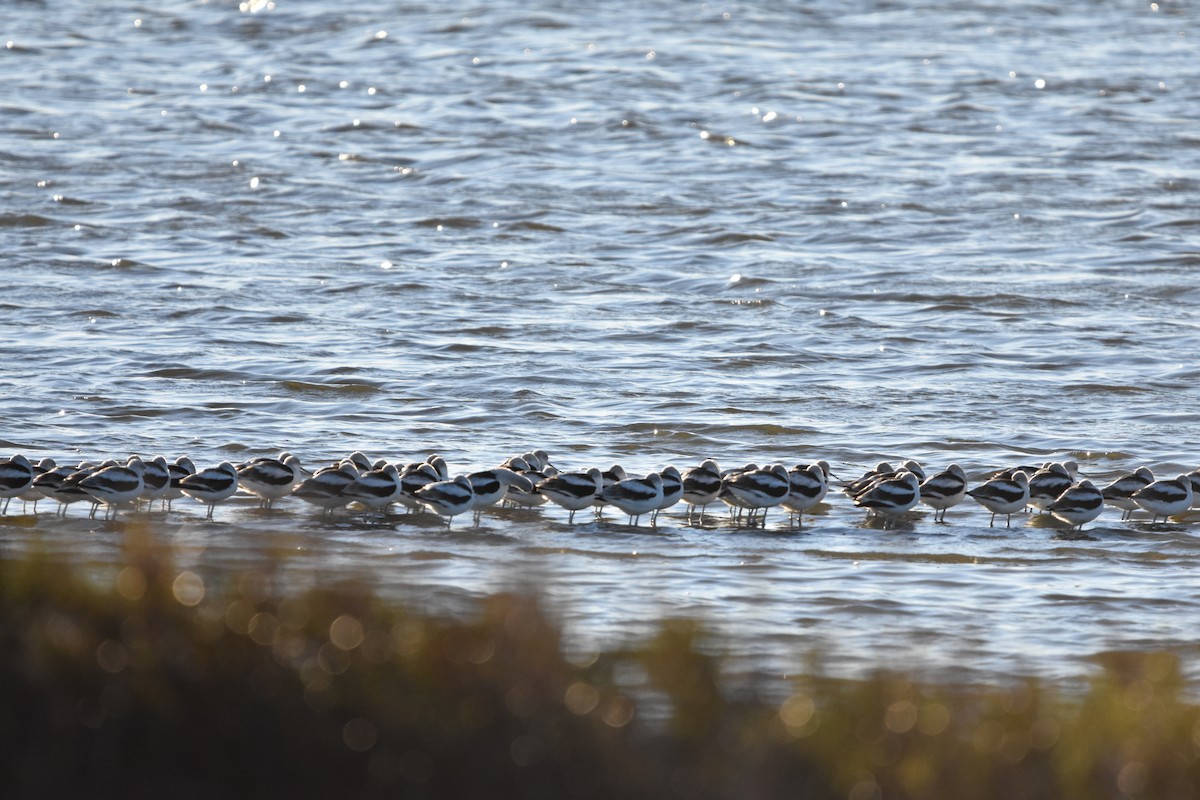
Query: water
(650, 235)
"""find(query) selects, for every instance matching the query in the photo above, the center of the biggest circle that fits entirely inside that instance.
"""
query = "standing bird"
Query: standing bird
(870, 481)
(66, 490)
(412, 478)
(211, 486)
(1078, 505)
(1047, 484)
(574, 491)
(944, 490)
(1119, 493)
(1194, 476)
(156, 478)
(608, 477)
(33, 494)
(758, 489)
(16, 476)
(1165, 498)
(672, 483)
(701, 485)
(324, 488)
(1003, 495)
(491, 486)
(115, 484)
(880, 471)
(636, 496)
(52, 486)
(376, 488)
(448, 498)
(180, 469)
(807, 485)
(893, 496)
(530, 467)
(269, 479)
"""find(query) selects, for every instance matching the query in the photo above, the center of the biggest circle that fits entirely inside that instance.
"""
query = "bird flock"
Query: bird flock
(530, 480)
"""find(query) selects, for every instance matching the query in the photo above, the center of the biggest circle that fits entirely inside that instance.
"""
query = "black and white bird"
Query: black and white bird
(179, 469)
(62, 486)
(211, 486)
(323, 488)
(573, 491)
(636, 496)
(1194, 476)
(16, 477)
(1165, 498)
(269, 479)
(701, 485)
(756, 490)
(156, 480)
(535, 460)
(529, 466)
(439, 465)
(448, 498)
(880, 471)
(1047, 484)
(1003, 495)
(491, 486)
(115, 485)
(944, 490)
(375, 488)
(672, 483)
(893, 496)
(50, 484)
(33, 494)
(361, 461)
(735, 505)
(1119, 493)
(1078, 505)
(412, 478)
(807, 486)
(608, 477)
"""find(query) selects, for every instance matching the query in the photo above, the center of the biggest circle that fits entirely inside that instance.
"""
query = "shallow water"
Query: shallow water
(648, 235)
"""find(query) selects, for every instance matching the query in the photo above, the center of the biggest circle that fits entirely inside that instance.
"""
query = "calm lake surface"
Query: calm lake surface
(649, 234)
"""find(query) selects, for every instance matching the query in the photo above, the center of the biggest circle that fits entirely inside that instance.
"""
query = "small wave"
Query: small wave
(738, 238)
(190, 373)
(536, 226)
(308, 387)
(458, 223)
(1104, 388)
(26, 221)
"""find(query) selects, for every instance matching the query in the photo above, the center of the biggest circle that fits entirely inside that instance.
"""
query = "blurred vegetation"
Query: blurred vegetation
(152, 682)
